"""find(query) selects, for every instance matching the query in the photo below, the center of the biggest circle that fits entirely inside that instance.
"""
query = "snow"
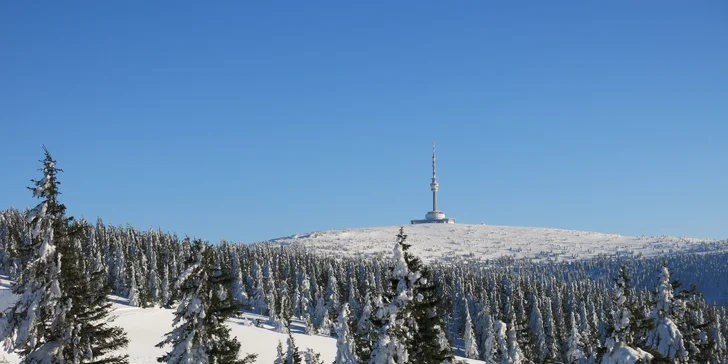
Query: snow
(456, 242)
(668, 340)
(626, 355)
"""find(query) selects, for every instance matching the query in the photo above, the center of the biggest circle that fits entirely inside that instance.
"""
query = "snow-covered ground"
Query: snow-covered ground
(146, 327)
(479, 242)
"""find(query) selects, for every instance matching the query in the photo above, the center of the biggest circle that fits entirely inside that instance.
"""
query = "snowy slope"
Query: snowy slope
(480, 242)
(147, 326)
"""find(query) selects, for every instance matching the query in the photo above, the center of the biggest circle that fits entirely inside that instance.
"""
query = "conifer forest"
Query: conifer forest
(394, 309)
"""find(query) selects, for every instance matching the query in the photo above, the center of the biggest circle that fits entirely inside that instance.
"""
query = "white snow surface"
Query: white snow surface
(626, 355)
(457, 242)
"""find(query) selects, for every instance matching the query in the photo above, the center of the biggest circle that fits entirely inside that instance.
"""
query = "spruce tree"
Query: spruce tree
(537, 329)
(200, 334)
(365, 330)
(626, 322)
(238, 288)
(489, 348)
(312, 357)
(469, 341)
(394, 318)
(31, 330)
(345, 343)
(280, 355)
(133, 296)
(89, 337)
(321, 322)
(665, 338)
(62, 314)
(574, 346)
(515, 354)
(426, 345)
(293, 354)
(501, 338)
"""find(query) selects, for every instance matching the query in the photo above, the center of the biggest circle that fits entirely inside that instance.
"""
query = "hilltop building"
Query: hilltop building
(434, 216)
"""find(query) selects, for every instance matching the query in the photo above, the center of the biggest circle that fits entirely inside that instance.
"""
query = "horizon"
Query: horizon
(249, 122)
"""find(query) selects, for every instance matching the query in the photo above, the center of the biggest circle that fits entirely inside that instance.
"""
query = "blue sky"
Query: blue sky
(252, 120)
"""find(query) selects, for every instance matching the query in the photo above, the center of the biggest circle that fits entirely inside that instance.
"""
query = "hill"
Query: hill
(448, 242)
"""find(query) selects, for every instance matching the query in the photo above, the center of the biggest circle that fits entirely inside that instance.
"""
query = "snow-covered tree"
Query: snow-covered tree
(501, 338)
(409, 327)
(574, 347)
(392, 315)
(312, 357)
(258, 300)
(85, 313)
(166, 295)
(717, 347)
(280, 355)
(469, 341)
(29, 328)
(550, 330)
(321, 322)
(153, 281)
(199, 334)
(293, 355)
(345, 343)
(515, 355)
(489, 344)
(304, 299)
(624, 325)
(62, 314)
(428, 344)
(238, 288)
(332, 294)
(133, 297)
(665, 338)
(537, 329)
(365, 331)
(353, 298)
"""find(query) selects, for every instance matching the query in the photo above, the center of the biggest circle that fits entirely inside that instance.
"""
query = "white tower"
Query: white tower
(434, 216)
(434, 186)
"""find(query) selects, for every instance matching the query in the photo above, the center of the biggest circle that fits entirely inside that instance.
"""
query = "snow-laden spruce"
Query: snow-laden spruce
(574, 351)
(469, 341)
(409, 327)
(391, 344)
(666, 339)
(199, 335)
(62, 314)
(28, 326)
(345, 343)
(619, 344)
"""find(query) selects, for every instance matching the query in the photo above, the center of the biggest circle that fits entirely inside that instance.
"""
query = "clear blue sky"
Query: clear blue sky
(249, 120)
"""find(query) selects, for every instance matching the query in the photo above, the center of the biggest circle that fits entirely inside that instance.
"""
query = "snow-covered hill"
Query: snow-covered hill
(452, 242)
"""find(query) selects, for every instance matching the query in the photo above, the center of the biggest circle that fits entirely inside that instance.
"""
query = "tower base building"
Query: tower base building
(434, 216)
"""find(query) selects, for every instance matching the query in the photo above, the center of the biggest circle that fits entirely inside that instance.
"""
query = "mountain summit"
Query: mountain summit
(480, 242)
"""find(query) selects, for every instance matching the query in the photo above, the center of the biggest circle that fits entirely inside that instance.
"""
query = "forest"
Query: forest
(396, 309)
